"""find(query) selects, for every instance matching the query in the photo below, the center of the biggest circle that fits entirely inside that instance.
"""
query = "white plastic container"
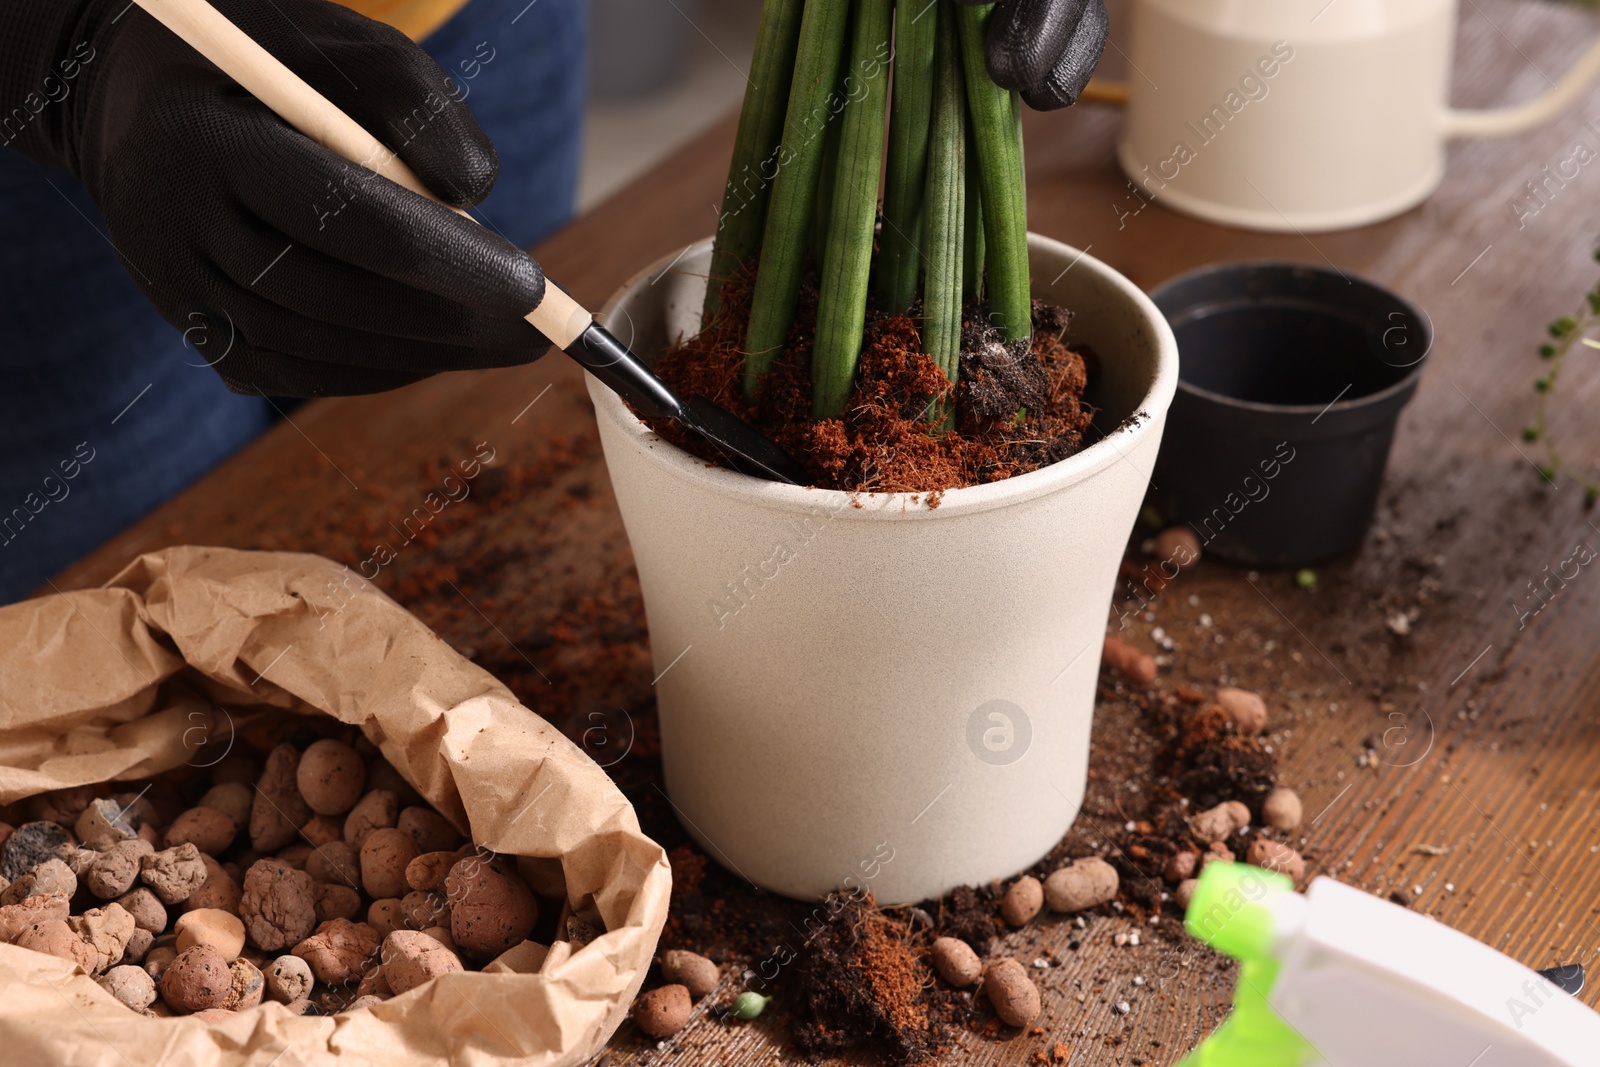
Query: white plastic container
(1302, 115)
(860, 691)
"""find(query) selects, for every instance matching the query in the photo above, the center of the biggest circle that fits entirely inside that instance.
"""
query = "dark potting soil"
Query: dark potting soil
(1018, 407)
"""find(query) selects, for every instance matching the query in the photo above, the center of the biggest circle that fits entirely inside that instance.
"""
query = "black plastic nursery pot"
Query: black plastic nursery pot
(1291, 381)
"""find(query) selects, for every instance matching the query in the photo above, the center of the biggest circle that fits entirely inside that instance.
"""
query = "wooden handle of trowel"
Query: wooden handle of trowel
(236, 54)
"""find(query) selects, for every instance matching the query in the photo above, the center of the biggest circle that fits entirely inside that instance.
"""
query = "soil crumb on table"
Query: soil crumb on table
(1018, 407)
(862, 983)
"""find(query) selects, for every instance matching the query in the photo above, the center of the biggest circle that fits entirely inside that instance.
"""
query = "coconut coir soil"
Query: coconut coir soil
(1018, 407)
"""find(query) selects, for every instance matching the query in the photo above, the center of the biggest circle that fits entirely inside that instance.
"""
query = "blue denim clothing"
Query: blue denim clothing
(104, 412)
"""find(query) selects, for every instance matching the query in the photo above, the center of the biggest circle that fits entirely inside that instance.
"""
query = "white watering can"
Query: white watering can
(1300, 115)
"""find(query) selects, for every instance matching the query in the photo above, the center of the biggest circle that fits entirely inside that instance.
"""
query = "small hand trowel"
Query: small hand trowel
(558, 316)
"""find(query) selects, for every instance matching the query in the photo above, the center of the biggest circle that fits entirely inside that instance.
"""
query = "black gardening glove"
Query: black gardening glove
(289, 270)
(1046, 49)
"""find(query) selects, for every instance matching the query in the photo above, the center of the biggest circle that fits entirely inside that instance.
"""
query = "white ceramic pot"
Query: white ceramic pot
(1301, 115)
(861, 692)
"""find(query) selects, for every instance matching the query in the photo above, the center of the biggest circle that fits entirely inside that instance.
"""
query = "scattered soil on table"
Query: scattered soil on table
(1018, 407)
(1212, 765)
(574, 649)
(555, 612)
(1198, 762)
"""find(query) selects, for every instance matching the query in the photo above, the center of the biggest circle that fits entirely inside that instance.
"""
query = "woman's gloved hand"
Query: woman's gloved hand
(1046, 49)
(291, 271)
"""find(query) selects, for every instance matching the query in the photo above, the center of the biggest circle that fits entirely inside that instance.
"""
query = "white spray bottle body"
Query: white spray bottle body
(1371, 984)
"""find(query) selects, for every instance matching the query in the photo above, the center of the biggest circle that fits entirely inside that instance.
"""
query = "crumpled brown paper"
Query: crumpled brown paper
(82, 700)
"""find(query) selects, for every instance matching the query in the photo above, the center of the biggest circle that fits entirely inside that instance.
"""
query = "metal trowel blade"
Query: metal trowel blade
(745, 449)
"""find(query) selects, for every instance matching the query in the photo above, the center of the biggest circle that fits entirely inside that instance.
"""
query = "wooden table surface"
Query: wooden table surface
(1488, 722)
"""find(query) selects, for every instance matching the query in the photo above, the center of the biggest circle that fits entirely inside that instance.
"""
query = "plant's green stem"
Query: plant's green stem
(997, 137)
(899, 258)
(847, 259)
(798, 161)
(825, 180)
(750, 174)
(945, 206)
(972, 238)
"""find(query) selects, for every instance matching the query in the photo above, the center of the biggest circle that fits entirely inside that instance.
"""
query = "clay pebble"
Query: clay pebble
(663, 1011)
(31, 844)
(1282, 810)
(220, 889)
(336, 902)
(52, 878)
(132, 987)
(288, 978)
(1247, 711)
(103, 822)
(340, 951)
(158, 959)
(232, 799)
(1083, 884)
(54, 937)
(1180, 867)
(173, 874)
(1023, 900)
(431, 831)
(1128, 661)
(335, 863)
(1274, 856)
(691, 970)
(113, 872)
(420, 910)
(15, 918)
(384, 857)
(956, 962)
(278, 905)
(378, 810)
(331, 777)
(277, 810)
(221, 930)
(411, 957)
(106, 930)
(195, 980)
(139, 943)
(208, 829)
(491, 908)
(428, 871)
(386, 915)
(1178, 545)
(246, 985)
(1011, 992)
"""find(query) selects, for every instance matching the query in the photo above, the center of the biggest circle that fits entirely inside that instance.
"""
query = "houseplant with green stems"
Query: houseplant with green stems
(804, 183)
(855, 689)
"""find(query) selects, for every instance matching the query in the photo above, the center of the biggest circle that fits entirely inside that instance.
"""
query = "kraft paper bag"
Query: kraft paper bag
(190, 644)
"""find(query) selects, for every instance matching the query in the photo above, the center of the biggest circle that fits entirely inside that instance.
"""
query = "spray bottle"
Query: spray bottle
(1339, 978)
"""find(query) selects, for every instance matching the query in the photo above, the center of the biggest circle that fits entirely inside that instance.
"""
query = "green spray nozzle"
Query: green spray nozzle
(1232, 911)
